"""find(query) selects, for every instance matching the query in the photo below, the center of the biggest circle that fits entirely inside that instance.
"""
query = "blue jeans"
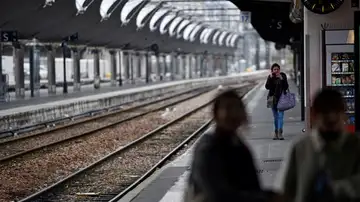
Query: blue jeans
(278, 119)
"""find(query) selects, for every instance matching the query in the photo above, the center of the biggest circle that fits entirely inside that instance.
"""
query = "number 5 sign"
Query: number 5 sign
(245, 17)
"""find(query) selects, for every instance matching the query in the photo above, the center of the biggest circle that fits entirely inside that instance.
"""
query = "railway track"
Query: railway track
(29, 173)
(21, 146)
(21, 132)
(124, 168)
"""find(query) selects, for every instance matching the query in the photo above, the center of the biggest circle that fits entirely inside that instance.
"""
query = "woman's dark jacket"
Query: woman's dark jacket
(276, 86)
(223, 170)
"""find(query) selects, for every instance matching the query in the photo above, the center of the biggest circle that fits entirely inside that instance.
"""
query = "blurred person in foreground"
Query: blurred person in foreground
(325, 164)
(222, 168)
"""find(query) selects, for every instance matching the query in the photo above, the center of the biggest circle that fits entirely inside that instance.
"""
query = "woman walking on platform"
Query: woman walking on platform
(276, 84)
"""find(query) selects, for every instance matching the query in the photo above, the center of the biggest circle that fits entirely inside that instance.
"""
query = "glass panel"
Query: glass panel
(339, 37)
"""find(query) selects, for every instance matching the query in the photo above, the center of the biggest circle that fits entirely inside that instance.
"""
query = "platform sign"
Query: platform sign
(9, 36)
(245, 17)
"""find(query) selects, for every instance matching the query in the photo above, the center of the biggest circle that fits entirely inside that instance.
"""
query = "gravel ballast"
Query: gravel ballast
(75, 130)
(113, 176)
(22, 177)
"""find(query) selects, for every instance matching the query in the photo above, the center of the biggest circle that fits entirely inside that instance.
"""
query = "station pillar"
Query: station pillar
(172, 68)
(175, 66)
(126, 65)
(131, 66)
(183, 66)
(267, 55)
(138, 59)
(96, 56)
(76, 69)
(19, 72)
(257, 53)
(226, 63)
(212, 63)
(165, 70)
(113, 68)
(190, 68)
(51, 70)
(120, 62)
(147, 67)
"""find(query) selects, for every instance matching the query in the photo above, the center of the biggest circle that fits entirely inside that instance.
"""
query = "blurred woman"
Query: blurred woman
(276, 84)
(222, 168)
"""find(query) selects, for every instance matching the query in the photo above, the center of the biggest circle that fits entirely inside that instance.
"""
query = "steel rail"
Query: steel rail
(120, 150)
(16, 155)
(86, 120)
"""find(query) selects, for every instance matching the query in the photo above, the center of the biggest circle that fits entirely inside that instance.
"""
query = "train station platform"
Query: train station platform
(54, 108)
(168, 183)
(86, 90)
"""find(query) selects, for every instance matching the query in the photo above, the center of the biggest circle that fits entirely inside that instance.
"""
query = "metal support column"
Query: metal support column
(257, 53)
(158, 68)
(126, 65)
(96, 55)
(120, 67)
(165, 66)
(267, 55)
(113, 68)
(19, 72)
(183, 66)
(147, 68)
(131, 67)
(172, 68)
(32, 73)
(302, 75)
(225, 64)
(177, 66)
(138, 65)
(189, 66)
(197, 66)
(76, 69)
(51, 70)
(201, 59)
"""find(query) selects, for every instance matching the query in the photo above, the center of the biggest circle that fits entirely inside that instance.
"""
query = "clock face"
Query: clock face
(322, 6)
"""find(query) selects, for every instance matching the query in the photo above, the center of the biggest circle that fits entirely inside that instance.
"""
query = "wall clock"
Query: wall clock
(322, 6)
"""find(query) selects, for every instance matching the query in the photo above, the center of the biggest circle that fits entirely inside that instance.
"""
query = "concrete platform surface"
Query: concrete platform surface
(167, 184)
(79, 103)
(44, 97)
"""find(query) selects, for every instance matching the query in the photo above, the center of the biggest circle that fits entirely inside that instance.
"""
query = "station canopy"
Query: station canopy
(130, 24)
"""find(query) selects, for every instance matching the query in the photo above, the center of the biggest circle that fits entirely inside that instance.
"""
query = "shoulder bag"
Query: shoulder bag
(287, 101)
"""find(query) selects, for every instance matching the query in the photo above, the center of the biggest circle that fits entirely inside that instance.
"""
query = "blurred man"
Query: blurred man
(222, 168)
(325, 164)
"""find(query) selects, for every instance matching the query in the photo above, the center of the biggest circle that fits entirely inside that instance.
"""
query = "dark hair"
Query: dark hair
(328, 100)
(230, 94)
(275, 65)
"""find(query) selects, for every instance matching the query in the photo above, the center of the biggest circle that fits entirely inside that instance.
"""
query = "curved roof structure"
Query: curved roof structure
(175, 23)
(105, 7)
(228, 40)
(128, 9)
(196, 32)
(234, 40)
(165, 23)
(222, 38)
(156, 18)
(144, 14)
(97, 23)
(215, 37)
(181, 28)
(188, 30)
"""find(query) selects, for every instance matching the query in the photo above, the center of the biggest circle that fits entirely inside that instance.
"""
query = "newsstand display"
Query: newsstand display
(339, 69)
